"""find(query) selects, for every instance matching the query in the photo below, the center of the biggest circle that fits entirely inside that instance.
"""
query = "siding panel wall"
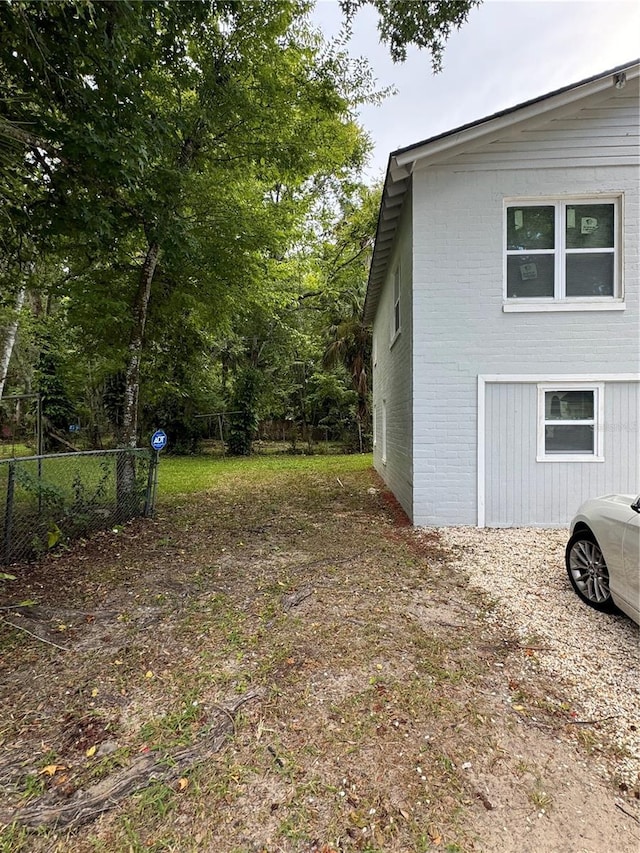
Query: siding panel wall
(520, 491)
(592, 136)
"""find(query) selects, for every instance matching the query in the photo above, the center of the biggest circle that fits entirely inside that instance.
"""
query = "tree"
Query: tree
(173, 162)
(346, 263)
(17, 263)
(236, 99)
(10, 333)
(302, 328)
(425, 23)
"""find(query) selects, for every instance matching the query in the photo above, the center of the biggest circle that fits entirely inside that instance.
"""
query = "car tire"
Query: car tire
(588, 571)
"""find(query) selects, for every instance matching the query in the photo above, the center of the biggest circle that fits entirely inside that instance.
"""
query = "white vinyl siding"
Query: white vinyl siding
(374, 424)
(461, 329)
(598, 134)
(518, 491)
(474, 458)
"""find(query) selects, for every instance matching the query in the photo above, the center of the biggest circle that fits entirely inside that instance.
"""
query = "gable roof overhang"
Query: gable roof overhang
(402, 162)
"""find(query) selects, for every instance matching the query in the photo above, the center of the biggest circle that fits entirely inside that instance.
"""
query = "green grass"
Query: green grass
(9, 451)
(180, 475)
(82, 479)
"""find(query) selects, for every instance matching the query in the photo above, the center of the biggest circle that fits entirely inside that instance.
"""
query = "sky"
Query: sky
(508, 52)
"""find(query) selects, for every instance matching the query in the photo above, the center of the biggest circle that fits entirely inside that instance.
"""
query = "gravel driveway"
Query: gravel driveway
(596, 655)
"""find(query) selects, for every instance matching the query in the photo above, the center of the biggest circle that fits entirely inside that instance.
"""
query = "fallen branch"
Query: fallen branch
(295, 598)
(35, 636)
(275, 756)
(628, 814)
(563, 722)
(593, 722)
(61, 440)
(165, 767)
(536, 648)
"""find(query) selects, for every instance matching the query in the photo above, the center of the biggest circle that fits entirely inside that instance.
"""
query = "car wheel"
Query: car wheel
(588, 571)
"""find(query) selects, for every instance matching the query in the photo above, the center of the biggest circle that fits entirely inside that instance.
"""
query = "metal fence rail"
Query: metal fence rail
(47, 500)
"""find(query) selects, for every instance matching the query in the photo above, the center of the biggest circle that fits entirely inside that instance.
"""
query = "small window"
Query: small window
(562, 251)
(570, 423)
(396, 302)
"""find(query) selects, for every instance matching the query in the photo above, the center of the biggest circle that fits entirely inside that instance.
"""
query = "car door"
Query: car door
(630, 588)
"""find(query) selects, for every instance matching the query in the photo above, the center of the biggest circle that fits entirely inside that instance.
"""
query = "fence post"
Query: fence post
(39, 451)
(8, 512)
(39, 427)
(152, 482)
(221, 427)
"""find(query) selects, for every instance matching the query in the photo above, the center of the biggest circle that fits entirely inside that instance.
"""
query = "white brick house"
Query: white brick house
(505, 301)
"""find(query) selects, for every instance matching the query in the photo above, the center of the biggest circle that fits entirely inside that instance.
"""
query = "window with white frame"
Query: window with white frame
(570, 423)
(562, 251)
(396, 302)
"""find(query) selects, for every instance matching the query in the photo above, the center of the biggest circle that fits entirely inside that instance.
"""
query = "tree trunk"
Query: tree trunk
(126, 463)
(10, 340)
(132, 379)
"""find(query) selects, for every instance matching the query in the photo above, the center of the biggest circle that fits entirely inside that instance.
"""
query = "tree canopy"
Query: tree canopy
(424, 23)
(182, 180)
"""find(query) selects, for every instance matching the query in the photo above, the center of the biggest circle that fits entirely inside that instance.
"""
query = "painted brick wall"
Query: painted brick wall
(392, 376)
(461, 330)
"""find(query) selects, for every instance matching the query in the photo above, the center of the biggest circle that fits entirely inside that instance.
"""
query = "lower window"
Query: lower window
(570, 423)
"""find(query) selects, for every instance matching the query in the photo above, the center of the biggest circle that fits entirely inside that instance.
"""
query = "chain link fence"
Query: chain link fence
(53, 499)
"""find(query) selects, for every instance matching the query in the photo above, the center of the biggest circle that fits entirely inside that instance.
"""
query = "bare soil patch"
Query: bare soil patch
(283, 665)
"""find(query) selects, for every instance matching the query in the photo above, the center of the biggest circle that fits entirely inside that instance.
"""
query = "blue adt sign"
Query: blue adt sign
(159, 440)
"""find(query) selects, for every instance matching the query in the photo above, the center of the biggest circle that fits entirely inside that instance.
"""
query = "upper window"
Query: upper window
(570, 423)
(562, 250)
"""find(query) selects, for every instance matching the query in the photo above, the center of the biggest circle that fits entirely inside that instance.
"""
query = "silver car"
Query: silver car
(603, 553)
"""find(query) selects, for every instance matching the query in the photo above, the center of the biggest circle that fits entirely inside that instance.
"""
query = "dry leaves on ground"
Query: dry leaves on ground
(391, 705)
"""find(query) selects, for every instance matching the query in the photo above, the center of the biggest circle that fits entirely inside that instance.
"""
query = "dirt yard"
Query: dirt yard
(282, 665)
